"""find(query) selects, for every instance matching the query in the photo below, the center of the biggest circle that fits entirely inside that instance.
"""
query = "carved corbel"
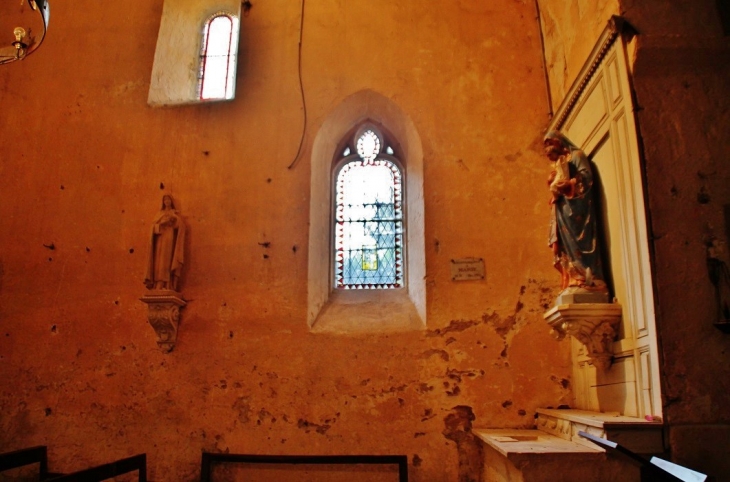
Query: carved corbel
(164, 315)
(595, 325)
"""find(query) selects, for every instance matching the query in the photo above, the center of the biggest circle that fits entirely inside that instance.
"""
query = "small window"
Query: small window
(219, 48)
(368, 224)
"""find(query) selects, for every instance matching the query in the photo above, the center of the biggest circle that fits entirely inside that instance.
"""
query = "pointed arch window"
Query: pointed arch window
(218, 53)
(369, 214)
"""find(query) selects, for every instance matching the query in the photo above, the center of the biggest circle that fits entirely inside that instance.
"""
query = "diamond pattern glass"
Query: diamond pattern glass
(369, 225)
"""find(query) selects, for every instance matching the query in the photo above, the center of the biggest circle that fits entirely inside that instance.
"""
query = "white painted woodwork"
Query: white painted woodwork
(598, 116)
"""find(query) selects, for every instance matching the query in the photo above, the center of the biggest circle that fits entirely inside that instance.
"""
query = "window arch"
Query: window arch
(368, 310)
(368, 225)
(218, 53)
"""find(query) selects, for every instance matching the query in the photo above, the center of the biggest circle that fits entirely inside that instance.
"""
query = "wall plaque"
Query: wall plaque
(467, 269)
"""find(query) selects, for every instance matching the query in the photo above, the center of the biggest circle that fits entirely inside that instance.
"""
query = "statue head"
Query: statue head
(167, 202)
(556, 145)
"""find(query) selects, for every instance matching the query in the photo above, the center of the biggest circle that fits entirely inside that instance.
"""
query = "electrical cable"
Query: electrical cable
(301, 90)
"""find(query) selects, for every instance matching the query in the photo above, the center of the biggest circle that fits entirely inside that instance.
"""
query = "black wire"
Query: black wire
(301, 90)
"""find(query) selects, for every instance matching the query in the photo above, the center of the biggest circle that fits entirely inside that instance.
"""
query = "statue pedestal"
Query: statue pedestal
(164, 315)
(595, 325)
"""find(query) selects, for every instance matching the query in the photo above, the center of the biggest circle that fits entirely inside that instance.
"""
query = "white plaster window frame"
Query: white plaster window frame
(175, 71)
(375, 310)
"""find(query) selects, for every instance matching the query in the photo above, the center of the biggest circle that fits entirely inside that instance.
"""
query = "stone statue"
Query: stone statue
(166, 248)
(573, 232)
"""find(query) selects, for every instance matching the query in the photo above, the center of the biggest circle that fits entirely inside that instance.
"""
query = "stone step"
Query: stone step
(537, 456)
(636, 434)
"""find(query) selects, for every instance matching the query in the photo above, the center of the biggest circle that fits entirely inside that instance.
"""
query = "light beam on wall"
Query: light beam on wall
(24, 26)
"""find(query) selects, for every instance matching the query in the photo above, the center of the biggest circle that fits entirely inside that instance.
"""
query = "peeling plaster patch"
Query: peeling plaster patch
(308, 426)
(243, 408)
(419, 434)
(513, 157)
(424, 387)
(563, 382)
(263, 415)
(501, 325)
(458, 374)
(507, 404)
(454, 392)
(417, 460)
(427, 415)
(455, 325)
(450, 340)
(400, 388)
(546, 292)
(457, 428)
(441, 353)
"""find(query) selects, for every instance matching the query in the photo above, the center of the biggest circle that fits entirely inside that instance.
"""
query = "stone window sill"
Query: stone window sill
(368, 311)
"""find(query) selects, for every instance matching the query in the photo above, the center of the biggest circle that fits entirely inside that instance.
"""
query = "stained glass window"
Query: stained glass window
(218, 52)
(369, 219)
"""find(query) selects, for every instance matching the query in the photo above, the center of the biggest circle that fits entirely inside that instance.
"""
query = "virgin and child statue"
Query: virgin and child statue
(573, 235)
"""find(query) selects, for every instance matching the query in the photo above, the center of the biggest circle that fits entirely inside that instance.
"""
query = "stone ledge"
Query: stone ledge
(636, 434)
(516, 444)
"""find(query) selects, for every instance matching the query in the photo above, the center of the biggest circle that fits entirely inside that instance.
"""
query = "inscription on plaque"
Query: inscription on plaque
(467, 269)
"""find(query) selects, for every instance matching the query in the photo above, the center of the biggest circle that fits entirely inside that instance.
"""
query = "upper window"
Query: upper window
(368, 224)
(219, 48)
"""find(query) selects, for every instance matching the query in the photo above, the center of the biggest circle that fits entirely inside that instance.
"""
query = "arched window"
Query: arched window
(367, 257)
(218, 52)
(368, 222)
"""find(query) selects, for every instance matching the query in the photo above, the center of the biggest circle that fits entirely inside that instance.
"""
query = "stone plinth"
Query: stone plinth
(536, 456)
(595, 325)
(164, 315)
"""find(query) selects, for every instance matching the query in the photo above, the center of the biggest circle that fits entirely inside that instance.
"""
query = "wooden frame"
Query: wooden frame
(208, 459)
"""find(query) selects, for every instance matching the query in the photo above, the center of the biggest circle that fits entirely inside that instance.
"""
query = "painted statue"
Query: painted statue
(166, 248)
(573, 234)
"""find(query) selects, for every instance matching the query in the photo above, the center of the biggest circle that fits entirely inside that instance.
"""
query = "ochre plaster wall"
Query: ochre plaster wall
(570, 29)
(84, 163)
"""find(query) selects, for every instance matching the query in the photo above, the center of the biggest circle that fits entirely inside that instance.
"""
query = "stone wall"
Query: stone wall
(85, 162)
(680, 76)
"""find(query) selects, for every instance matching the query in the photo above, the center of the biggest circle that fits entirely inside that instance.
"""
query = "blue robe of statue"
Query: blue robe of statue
(573, 223)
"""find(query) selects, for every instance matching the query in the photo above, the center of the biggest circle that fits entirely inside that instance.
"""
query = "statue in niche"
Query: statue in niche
(573, 235)
(167, 243)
